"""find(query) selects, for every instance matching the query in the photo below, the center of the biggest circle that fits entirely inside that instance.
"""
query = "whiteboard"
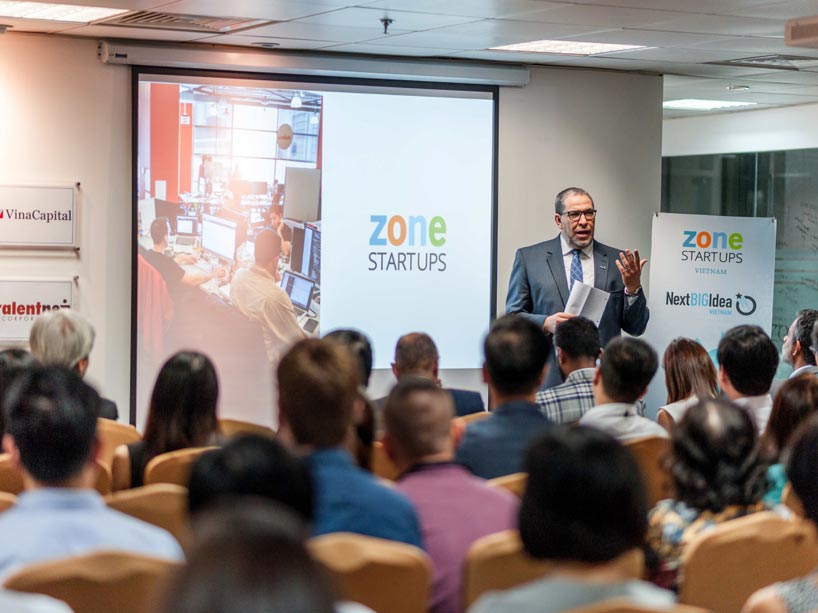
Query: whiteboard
(38, 216)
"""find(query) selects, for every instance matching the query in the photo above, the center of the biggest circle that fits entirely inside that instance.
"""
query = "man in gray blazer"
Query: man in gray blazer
(544, 273)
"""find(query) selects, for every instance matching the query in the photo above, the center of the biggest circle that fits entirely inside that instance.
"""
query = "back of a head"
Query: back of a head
(578, 337)
(249, 558)
(805, 323)
(360, 346)
(61, 337)
(251, 465)
(418, 416)
(52, 417)
(626, 367)
(749, 358)
(267, 246)
(183, 404)
(584, 500)
(802, 467)
(13, 362)
(716, 457)
(688, 370)
(317, 386)
(159, 230)
(516, 352)
(416, 354)
(795, 402)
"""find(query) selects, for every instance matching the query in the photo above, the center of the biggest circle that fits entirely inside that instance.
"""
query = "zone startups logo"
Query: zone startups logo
(712, 247)
(398, 232)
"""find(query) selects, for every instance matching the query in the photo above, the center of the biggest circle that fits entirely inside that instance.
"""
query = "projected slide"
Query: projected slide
(268, 212)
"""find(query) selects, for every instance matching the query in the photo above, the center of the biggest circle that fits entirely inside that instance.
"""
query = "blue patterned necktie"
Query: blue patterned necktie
(576, 269)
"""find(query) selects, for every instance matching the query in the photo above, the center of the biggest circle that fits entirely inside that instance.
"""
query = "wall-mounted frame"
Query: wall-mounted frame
(22, 300)
(38, 217)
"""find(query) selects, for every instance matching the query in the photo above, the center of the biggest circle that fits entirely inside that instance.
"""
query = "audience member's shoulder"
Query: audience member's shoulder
(31, 603)
(156, 539)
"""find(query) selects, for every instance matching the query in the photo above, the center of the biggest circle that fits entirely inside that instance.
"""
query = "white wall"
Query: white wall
(792, 127)
(64, 116)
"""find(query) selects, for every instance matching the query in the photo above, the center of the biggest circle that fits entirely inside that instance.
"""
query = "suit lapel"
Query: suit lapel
(557, 267)
(602, 267)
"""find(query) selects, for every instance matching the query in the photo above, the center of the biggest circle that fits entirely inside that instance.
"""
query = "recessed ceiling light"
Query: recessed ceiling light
(57, 12)
(737, 88)
(566, 47)
(691, 104)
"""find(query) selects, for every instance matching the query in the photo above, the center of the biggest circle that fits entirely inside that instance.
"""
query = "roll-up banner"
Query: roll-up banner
(22, 300)
(707, 274)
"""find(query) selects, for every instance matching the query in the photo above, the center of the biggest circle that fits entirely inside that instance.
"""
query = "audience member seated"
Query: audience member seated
(516, 353)
(747, 364)
(584, 507)
(577, 343)
(65, 338)
(797, 349)
(251, 466)
(625, 369)
(182, 413)
(51, 418)
(249, 558)
(12, 363)
(416, 356)
(365, 414)
(455, 508)
(799, 595)
(690, 376)
(795, 402)
(318, 384)
(718, 475)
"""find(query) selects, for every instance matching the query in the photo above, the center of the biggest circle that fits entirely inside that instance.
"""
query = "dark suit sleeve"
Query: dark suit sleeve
(107, 409)
(635, 316)
(518, 299)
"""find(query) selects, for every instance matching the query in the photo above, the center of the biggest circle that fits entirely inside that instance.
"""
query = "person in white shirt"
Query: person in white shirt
(690, 376)
(748, 360)
(625, 369)
(256, 293)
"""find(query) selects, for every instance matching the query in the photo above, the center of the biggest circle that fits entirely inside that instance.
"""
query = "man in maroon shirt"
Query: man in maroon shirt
(455, 508)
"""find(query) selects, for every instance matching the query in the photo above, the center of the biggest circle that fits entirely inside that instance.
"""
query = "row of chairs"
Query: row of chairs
(722, 568)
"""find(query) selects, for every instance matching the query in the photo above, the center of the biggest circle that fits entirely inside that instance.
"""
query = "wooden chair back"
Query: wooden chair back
(11, 481)
(174, 466)
(234, 427)
(100, 581)
(650, 453)
(622, 605)
(721, 568)
(383, 575)
(514, 483)
(161, 504)
(112, 434)
(382, 466)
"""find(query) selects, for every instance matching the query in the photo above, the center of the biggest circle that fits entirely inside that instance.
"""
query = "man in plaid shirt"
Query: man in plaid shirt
(577, 342)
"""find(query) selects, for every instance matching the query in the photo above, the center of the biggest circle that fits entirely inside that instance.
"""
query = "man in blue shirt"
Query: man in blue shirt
(51, 436)
(318, 388)
(516, 351)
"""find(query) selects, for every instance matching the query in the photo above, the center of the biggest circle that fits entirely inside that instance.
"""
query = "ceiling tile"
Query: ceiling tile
(648, 38)
(790, 9)
(754, 45)
(720, 85)
(361, 17)
(274, 10)
(609, 16)
(36, 25)
(508, 58)
(312, 31)
(723, 24)
(798, 77)
(368, 49)
(486, 33)
(678, 54)
(494, 9)
(247, 40)
(686, 6)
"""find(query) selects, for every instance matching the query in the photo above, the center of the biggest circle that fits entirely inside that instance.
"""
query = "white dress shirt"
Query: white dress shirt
(621, 421)
(586, 258)
(759, 408)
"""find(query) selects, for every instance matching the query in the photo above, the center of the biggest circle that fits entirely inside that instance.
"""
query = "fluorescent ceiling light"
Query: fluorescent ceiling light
(566, 47)
(57, 12)
(691, 104)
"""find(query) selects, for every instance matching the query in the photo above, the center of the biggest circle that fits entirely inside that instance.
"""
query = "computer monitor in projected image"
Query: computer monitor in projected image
(219, 237)
(311, 259)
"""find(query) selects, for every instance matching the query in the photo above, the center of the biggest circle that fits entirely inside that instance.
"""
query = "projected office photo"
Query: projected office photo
(267, 212)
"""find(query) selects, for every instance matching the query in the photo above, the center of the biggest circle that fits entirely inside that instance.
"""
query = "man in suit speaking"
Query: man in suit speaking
(544, 273)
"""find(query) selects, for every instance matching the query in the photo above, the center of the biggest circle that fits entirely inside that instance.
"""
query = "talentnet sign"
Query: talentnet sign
(37, 216)
(21, 301)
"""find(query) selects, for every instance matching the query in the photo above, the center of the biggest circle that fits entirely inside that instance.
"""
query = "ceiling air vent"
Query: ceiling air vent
(185, 23)
(772, 62)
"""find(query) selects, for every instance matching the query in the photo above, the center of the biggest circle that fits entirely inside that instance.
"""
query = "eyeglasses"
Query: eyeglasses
(575, 215)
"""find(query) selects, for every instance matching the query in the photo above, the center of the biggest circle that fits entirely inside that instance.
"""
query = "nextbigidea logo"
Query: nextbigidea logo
(27, 311)
(35, 215)
(399, 233)
(713, 247)
(715, 303)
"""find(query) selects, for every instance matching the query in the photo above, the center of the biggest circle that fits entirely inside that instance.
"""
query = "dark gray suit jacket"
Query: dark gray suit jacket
(538, 288)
